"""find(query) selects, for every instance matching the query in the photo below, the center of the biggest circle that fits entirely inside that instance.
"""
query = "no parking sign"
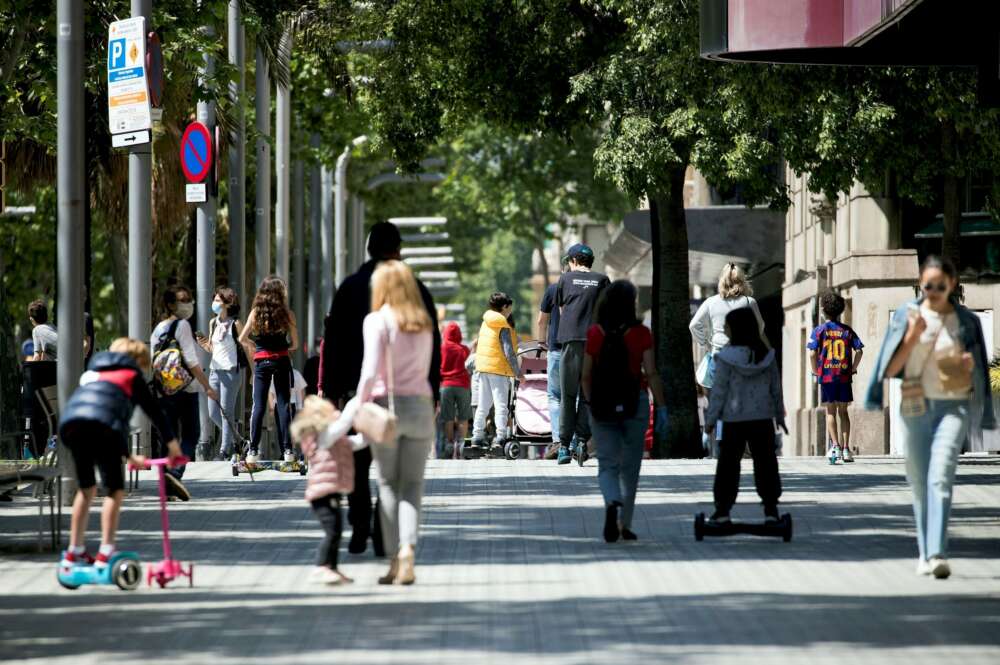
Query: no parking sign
(196, 160)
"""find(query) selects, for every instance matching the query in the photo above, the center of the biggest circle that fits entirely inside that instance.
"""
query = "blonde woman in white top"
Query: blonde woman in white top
(708, 326)
(224, 370)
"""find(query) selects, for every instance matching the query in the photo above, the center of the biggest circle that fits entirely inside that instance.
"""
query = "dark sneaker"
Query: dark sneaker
(611, 531)
(174, 487)
(628, 534)
(564, 456)
(552, 451)
(771, 515)
(720, 517)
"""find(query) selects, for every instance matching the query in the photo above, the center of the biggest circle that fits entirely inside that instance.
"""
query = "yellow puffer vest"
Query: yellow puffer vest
(489, 353)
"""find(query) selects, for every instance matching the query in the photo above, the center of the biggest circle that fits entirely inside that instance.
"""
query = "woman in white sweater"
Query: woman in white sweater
(708, 327)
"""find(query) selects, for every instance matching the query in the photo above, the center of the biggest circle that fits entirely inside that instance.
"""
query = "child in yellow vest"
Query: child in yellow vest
(496, 363)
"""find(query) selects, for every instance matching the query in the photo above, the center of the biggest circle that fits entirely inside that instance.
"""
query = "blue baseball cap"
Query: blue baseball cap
(579, 250)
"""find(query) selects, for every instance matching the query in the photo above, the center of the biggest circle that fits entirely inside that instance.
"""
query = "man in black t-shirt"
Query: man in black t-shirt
(576, 296)
(548, 329)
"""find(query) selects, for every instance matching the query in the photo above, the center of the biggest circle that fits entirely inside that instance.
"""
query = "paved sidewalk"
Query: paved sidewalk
(511, 569)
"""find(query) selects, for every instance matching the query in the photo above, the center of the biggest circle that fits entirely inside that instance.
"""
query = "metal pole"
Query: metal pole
(340, 218)
(70, 160)
(298, 256)
(315, 247)
(262, 214)
(140, 240)
(282, 158)
(326, 239)
(237, 156)
(205, 252)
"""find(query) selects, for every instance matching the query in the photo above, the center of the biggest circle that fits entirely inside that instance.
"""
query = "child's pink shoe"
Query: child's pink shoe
(102, 559)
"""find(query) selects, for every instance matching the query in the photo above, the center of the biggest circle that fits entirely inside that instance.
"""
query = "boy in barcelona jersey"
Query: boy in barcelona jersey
(836, 352)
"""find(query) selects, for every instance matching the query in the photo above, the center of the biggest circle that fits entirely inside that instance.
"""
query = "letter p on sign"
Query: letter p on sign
(116, 54)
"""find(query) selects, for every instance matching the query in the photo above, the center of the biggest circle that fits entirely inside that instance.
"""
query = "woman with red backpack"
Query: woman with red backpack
(619, 370)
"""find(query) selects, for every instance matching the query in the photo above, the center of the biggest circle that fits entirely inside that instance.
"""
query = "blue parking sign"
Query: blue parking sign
(116, 54)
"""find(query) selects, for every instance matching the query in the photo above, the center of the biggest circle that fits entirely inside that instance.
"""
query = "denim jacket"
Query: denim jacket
(971, 333)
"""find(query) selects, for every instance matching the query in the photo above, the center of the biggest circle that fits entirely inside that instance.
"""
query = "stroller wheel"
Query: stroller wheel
(512, 450)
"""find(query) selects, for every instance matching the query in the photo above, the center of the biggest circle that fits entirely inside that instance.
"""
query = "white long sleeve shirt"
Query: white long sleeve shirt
(708, 327)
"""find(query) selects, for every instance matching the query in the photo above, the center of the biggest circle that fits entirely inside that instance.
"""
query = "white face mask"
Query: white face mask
(185, 310)
(217, 307)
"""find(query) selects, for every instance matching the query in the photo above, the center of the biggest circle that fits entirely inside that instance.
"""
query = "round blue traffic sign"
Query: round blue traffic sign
(196, 152)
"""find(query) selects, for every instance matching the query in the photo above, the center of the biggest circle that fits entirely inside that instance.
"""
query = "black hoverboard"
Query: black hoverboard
(780, 529)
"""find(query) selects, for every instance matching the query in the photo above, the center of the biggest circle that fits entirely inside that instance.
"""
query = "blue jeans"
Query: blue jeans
(226, 382)
(264, 371)
(933, 442)
(553, 391)
(619, 456)
(181, 409)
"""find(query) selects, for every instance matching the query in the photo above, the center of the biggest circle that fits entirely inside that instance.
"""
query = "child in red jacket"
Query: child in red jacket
(456, 390)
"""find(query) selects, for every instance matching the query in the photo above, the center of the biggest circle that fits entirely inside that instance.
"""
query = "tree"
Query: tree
(532, 184)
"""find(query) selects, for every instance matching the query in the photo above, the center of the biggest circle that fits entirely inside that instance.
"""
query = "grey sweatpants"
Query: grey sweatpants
(401, 471)
(574, 414)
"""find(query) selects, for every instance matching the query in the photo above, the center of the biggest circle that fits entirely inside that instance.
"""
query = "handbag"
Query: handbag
(375, 422)
(706, 371)
(913, 402)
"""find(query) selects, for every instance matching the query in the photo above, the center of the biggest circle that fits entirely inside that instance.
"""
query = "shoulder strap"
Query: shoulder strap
(390, 379)
(172, 331)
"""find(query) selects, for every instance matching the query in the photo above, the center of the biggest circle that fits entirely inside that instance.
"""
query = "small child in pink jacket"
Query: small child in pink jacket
(331, 475)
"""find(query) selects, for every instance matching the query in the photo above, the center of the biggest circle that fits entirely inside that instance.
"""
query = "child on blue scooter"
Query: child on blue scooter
(95, 428)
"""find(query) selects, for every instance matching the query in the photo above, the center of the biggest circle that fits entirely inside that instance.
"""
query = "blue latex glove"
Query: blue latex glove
(661, 422)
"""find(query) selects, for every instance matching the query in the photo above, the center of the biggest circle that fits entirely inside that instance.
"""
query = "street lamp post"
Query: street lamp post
(237, 155)
(340, 211)
(283, 123)
(262, 213)
(70, 159)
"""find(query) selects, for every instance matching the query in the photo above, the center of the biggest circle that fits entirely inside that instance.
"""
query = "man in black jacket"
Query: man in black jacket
(340, 367)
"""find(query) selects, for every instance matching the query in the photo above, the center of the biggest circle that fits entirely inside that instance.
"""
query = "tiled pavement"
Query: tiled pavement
(511, 569)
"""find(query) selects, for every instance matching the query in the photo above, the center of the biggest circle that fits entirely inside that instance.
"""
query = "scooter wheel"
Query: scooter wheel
(513, 450)
(127, 574)
(236, 471)
(699, 527)
(787, 535)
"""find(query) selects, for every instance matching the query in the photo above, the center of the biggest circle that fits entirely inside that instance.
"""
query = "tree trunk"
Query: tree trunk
(543, 262)
(671, 314)
(118, 251)
(951, 236)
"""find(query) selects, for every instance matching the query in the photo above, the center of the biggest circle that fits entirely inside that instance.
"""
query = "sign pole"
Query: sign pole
(262, 213)
(298, 286)
(70, 159)
(140, 234)
(205, 250)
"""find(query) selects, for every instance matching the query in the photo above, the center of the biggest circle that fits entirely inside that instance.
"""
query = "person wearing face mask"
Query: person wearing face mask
(228, 360)
(936, 346)
(181, 408)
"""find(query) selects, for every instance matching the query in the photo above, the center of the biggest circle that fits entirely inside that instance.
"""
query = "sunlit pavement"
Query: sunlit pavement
(512, 569)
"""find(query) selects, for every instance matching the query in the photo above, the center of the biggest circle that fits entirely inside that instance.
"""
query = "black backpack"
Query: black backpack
(614, 389)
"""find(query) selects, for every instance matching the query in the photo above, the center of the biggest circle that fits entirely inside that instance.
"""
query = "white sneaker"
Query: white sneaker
(840, 454)
(939, 568)
(848, 457)
(923, 568)
(289, 456)
(253, 457)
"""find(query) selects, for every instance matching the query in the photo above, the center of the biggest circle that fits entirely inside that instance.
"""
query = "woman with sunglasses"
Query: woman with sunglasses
(936, 346)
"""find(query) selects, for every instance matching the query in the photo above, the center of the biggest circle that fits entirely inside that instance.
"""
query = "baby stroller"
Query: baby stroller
(530, 424)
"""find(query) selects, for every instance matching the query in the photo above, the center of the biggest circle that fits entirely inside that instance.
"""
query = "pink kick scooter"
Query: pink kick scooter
(169, 569)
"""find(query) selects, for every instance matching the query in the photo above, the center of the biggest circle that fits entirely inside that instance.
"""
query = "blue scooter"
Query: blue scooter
(122, 570)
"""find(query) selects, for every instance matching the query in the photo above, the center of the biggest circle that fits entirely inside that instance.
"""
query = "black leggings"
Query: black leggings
(280, 371)
(759, 435)
(327, 511)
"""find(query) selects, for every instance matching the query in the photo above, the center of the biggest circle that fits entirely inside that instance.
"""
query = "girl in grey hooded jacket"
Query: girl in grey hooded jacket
(746, 397)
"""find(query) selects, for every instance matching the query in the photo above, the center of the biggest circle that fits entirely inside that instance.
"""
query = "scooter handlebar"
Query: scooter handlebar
(162, 461)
